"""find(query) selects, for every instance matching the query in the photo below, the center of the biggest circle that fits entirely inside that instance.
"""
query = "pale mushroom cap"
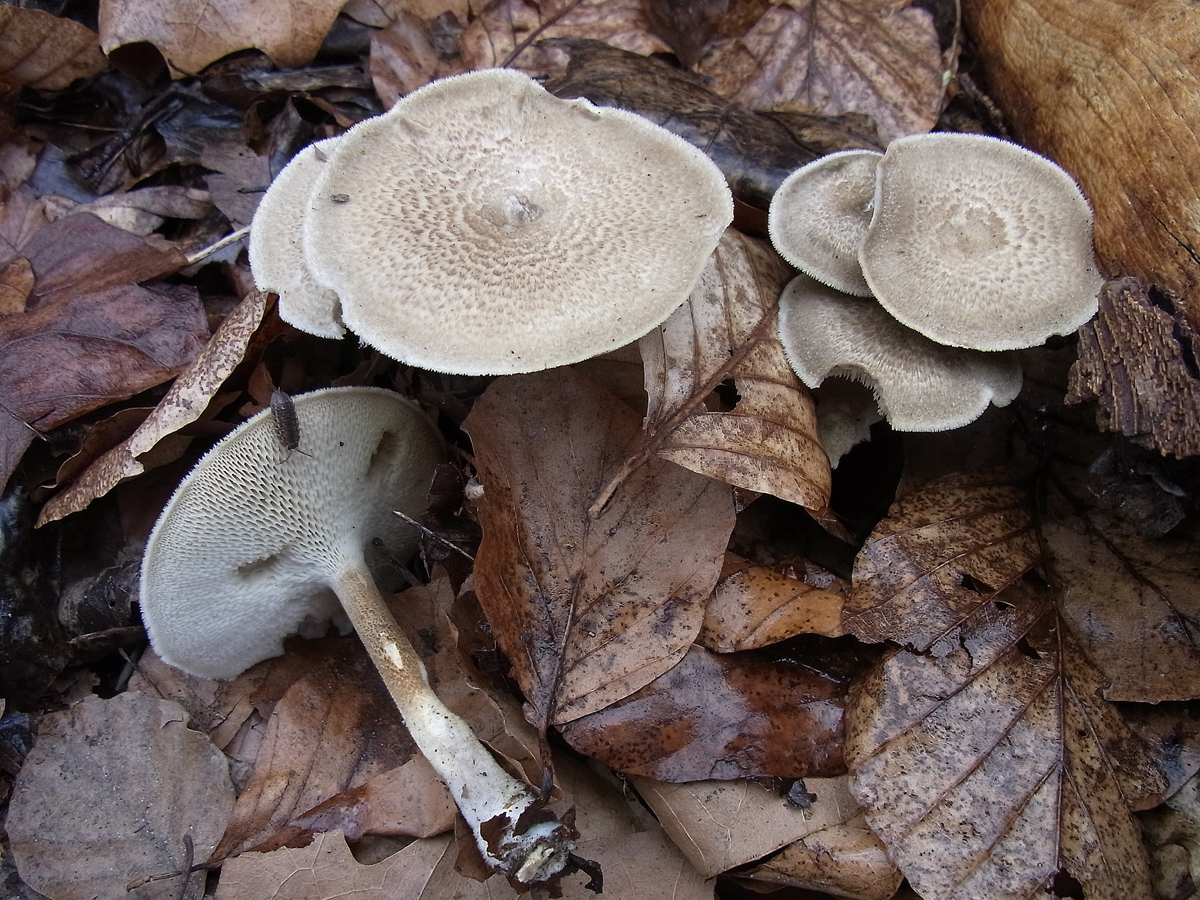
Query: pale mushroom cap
(820, 215)
(919, 385)
(276, 251)
(246, 549)
(483, 226)
(977, 242)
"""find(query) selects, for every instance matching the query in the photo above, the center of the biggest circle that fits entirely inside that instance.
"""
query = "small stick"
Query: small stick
(433, 536)
(224, 242)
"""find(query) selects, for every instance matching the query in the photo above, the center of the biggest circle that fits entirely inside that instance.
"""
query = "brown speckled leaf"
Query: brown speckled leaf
(991, 763)
(942, 553)
(588, 609)
(878, 57)
(768, 442)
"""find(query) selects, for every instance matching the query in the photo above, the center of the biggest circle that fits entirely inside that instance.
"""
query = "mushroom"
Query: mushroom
(484, 226)
(258, 542)
(820, 215)
(977, 242)
(276, 256)
(919, 385)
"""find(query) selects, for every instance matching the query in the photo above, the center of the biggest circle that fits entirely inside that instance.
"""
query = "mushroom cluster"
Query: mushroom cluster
(970, 245)
(483, 226)
(259, 543)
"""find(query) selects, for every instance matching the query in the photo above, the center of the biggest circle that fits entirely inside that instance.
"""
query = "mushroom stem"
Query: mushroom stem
(528, 848)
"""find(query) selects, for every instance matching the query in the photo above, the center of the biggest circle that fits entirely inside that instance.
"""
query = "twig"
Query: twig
(219, 245)
(432, 535)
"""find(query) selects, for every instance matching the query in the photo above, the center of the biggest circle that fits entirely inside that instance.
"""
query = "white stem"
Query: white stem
(490, 800)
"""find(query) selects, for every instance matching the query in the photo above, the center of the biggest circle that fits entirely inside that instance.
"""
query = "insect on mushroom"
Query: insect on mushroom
(287, 425)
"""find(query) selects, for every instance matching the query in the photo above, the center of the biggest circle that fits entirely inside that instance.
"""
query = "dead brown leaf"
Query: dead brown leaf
(193, 33)
(587, 609)
(828, 847)
(941, 554)
(127, 780)
(42, 51)
(183, 404)
(877, 57)
(506, 33)
(768, 441)
(753, 606)
(991, 764)
(403, 58)
(723, 716)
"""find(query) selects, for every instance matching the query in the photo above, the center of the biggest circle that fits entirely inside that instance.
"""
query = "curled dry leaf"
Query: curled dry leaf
(991, 764)
(183, 404)
(128, 780)
(42, 51)
(724, 716)
(942, 553)
(877, 57)
(723, 824)
(1134, 604)
(753, 606)
(768, 442)
(588, 609)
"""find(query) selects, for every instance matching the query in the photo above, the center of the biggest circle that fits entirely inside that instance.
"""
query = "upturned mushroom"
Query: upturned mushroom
(484, 226)
(259, 542)
(820, 215)
(977, 242)
(919, 385)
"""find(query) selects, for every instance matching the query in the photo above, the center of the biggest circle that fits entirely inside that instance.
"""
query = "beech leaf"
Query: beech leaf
(991, 764)
(42, 51)
(587, 609)
(942, 553)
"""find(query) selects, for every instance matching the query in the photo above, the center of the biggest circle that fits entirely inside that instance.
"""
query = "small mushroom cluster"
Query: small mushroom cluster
(483, 226)
(970, 245)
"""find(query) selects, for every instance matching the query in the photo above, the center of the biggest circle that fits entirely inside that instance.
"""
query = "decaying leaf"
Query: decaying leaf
(991, 764)
(768, 442)
(942, 553)
(877, 57)
(42, 51)
(587, 609)
(723, 716)
(402, 58)
(753, 606)
(1134, 604)
(184, 402)
(127, 780)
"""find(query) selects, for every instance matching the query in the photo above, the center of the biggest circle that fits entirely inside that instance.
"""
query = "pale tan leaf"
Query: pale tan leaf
(753, 606)
(768, 442)
(723, 824)
(878, 57)
(991, 764)
(183, 404)
(193, 33)
(1133, 602)
(107, 796)
(587, 609)
(504, 25)
(941, 554)
(42, 51)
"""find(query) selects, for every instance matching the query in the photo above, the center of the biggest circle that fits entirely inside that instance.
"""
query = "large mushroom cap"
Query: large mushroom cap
(276, 254)
(919, 385)
(820, 215)
(977, 242)
(246, 549)
(483, 226)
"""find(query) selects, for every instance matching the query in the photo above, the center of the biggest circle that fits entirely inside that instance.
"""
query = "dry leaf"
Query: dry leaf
(991, 764)
(942, 553)
(768, 442)
(724, 716)
(42, 51)
(587, 609)
(183, 404)
(753, 606)
(127, 780)
(506, 25)
(877, 57)
(402, 58)
(1133, 603)
(193, 33)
